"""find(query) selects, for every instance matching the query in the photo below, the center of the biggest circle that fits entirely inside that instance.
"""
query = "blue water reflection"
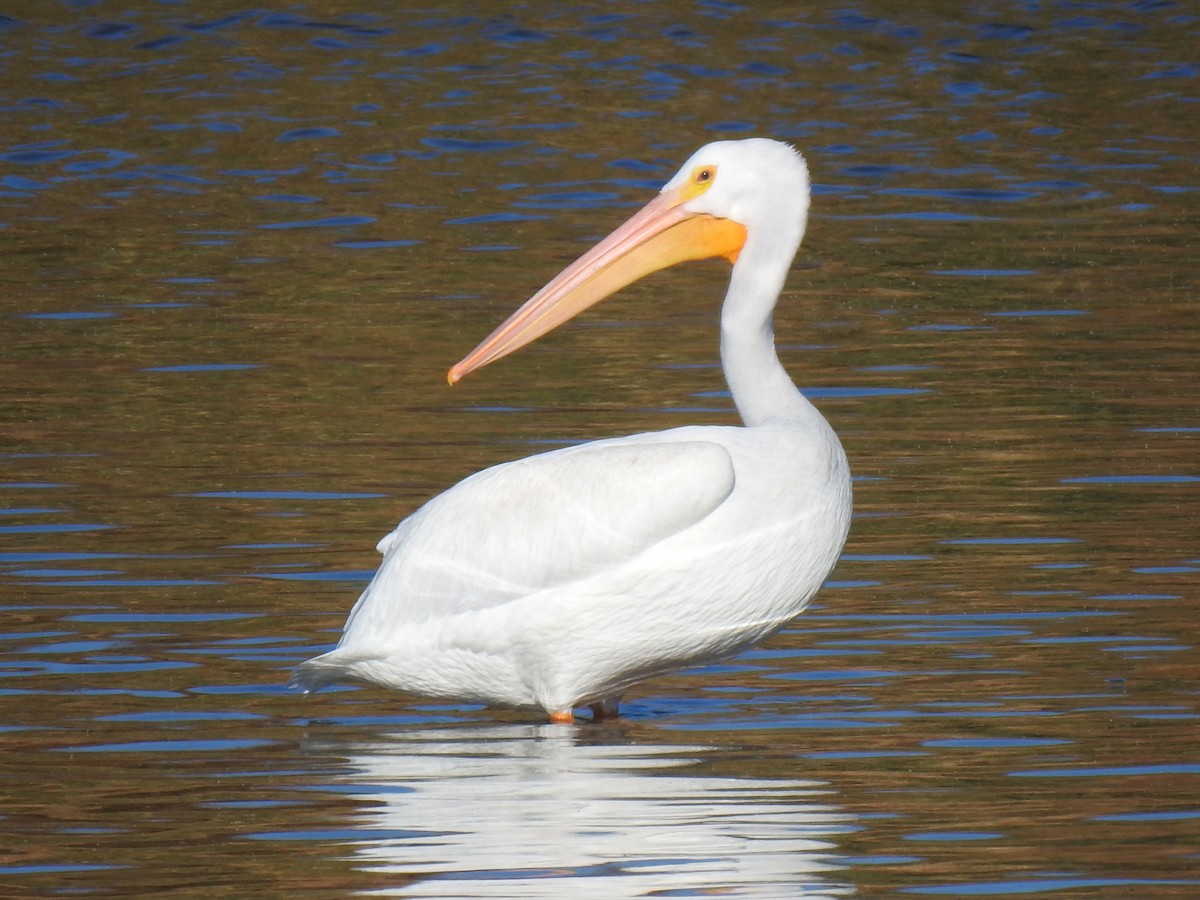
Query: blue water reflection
(239, 248)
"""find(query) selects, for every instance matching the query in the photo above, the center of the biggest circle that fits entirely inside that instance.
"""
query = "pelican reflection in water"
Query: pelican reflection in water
(531, 811)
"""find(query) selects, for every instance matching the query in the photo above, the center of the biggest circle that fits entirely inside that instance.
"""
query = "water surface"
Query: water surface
(240, 249)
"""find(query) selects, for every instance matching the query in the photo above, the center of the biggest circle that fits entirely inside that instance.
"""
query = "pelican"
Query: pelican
(557, 581)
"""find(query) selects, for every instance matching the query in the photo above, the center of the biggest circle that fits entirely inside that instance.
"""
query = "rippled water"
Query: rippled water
(240, 248)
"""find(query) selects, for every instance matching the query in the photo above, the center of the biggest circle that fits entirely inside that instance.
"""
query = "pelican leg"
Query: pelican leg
(608, 708)
(562, 717)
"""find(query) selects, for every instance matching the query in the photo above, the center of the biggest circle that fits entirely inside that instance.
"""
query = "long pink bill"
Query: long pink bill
(659, 235)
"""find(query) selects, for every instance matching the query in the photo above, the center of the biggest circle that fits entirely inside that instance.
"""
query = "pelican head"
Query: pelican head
(760, 184)
(727, 194)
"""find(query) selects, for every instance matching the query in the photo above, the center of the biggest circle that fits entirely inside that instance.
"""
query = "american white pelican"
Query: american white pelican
(559, 580)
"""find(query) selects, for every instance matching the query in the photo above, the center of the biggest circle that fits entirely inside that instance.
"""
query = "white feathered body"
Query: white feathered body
(561, 579)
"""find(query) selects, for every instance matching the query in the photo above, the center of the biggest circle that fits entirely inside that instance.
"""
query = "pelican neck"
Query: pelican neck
(758, 382)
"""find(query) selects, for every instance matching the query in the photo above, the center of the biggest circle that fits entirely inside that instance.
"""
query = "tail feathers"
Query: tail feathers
(319, 671)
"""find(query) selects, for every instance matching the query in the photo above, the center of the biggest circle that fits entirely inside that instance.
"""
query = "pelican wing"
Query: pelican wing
(536, 523)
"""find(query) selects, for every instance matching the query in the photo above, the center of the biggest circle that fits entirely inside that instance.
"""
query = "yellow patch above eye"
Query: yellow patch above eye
(702, 179)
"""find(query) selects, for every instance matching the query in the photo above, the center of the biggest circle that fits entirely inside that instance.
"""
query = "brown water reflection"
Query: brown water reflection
(239, 250)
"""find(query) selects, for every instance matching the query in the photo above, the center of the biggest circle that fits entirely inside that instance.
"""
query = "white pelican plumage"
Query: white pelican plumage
(558, 581)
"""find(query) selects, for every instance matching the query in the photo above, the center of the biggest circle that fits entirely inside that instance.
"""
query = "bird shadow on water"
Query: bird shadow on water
(519, 810)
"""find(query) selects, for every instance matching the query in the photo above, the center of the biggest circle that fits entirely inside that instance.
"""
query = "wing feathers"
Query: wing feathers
(538, 522)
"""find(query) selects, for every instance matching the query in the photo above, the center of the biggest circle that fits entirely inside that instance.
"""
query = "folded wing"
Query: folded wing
(540, 522)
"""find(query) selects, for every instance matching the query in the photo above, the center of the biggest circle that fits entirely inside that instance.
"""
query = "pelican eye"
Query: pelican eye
(703, 177)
